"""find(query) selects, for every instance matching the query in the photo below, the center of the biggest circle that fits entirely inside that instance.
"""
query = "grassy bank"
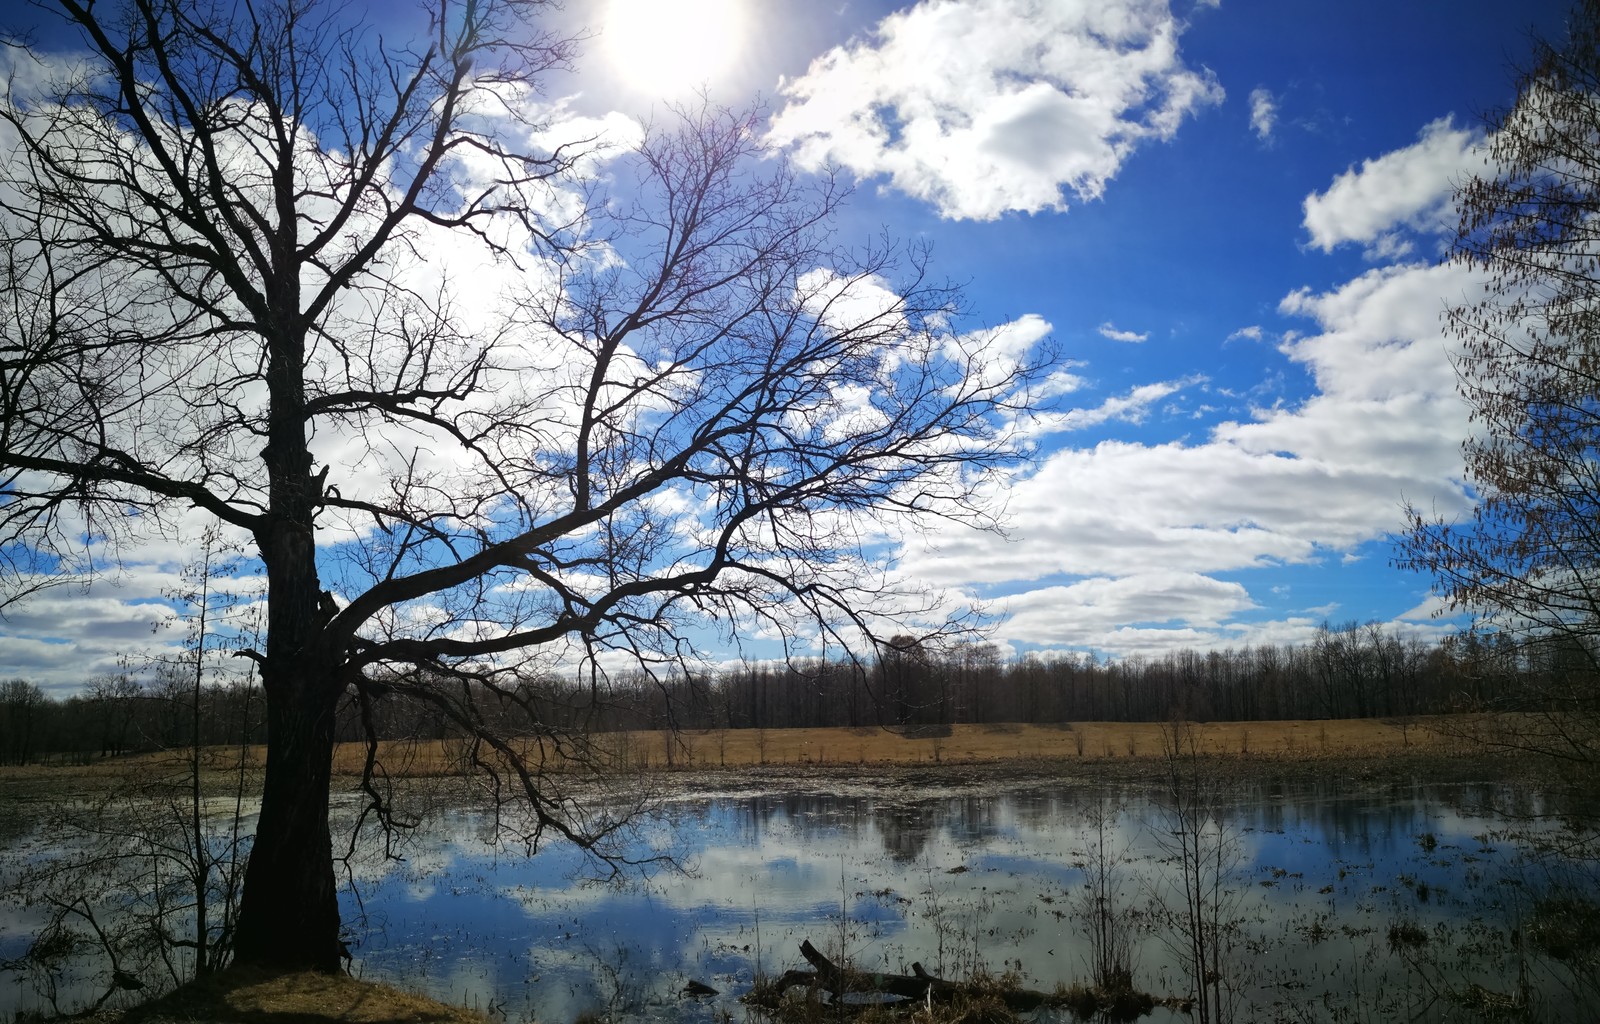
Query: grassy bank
(303, 998)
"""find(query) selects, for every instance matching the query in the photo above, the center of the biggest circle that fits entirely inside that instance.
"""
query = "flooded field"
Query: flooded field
(1326, 901)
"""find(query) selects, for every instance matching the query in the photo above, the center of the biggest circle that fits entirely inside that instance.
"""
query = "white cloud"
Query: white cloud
(1409, 187)
(1109, 330)
(1251, 333)
(1429, 610)
(1303, 484)
(1128, 408)
(986, 106)
(1263, 113)
(1082, 612)
(1382, 335)
(1061, 381)
(69, 635)
(1003, 349)
(863, 302)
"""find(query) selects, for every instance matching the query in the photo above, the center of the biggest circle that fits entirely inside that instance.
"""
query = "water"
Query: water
(1318, 877)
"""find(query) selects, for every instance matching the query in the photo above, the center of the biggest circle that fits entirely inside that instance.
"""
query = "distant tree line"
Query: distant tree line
(1348, 671)
(125, 713)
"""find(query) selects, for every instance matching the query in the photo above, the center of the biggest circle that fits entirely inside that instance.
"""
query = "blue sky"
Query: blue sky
(1228, 215)
(1236, 251)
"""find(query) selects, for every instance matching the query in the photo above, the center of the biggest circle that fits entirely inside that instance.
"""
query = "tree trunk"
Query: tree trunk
(289, 911)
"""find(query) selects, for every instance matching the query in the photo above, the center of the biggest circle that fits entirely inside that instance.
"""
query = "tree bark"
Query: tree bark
(289, 912)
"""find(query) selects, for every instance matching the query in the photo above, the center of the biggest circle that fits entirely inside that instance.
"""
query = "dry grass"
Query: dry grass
(1086, 740)
(251, 997)
(694, 749)
(733, 748)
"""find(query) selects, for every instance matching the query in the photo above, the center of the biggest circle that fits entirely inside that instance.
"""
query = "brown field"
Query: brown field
(689, 750)
(1103, 743)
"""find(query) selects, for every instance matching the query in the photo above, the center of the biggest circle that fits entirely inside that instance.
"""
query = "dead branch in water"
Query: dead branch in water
(918, 985)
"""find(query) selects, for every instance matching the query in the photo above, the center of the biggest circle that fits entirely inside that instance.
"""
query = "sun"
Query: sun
(668, 48)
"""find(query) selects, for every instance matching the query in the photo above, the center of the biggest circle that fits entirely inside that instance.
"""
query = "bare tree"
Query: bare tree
(1201, 905)
(359, 300)
(1101, 906)
(1527, 564)
(21, 706)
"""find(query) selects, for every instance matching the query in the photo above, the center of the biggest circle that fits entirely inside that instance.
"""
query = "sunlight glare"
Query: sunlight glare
(670, 47)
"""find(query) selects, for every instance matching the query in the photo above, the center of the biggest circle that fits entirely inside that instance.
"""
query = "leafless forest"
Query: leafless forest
(1351, 671)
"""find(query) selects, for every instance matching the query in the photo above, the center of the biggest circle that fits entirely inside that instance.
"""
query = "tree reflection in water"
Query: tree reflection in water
(1327, 866)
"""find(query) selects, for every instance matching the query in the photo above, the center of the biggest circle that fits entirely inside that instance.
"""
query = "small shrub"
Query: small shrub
(1079, 999)
(1407, 935)
(1128, 1004)
(1119, 1003)
(1566, 929)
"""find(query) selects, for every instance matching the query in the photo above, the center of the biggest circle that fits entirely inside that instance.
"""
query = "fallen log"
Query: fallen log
(918, 985)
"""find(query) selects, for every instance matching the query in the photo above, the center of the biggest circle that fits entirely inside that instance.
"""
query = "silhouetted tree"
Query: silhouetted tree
(22, 712)
(255, 259)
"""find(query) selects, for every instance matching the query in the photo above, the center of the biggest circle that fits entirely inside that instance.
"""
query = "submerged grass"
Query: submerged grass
(1567, 928)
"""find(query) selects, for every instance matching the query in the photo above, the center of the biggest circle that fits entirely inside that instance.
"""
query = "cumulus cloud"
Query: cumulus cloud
(1082, 612)
(986, 106)
(1408, 188)
(1004, 348)
(1109, 330)
(1292, 485)
(67, 636)
(1263, 113)
(1061, 381)
(1131, 407)
(863, 302)
(1430, 609)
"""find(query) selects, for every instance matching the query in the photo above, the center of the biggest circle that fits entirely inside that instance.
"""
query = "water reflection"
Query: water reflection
(961, 880)
(952, 881)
